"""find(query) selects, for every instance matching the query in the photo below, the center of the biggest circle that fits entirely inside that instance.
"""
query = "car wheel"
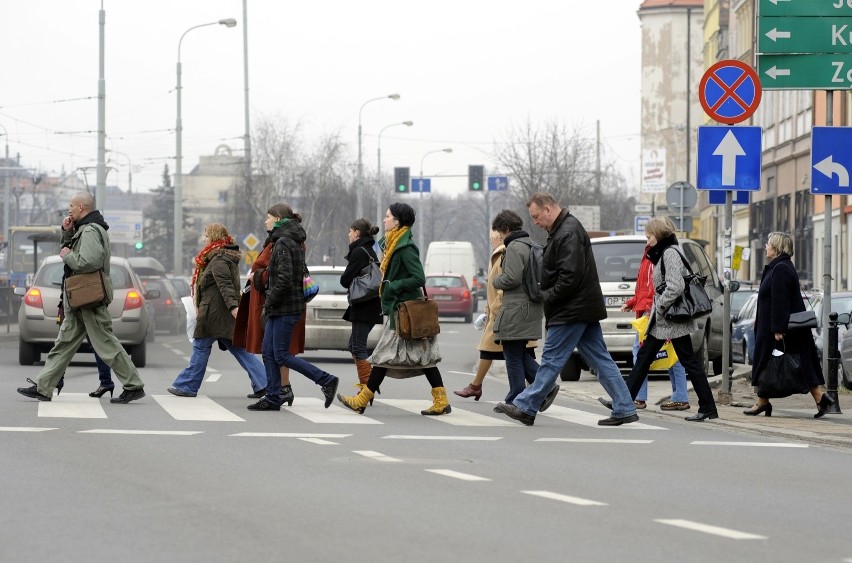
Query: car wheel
(468, 318)
(138, 354)
(571, 370)
(28, 354)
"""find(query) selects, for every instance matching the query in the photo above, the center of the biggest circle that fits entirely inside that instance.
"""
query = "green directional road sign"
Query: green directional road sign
(805, 35)
(805, 8)
(806, 72)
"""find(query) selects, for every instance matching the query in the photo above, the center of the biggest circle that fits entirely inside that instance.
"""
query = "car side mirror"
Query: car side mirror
(843, 318)
(733, 286)
(152, 294)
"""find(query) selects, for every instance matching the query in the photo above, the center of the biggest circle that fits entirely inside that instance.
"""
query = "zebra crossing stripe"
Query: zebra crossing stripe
(24, 429)
(200, 408)
(564, 498)
(458, 417)
(590, 419)
(71, 405)
(313, 409)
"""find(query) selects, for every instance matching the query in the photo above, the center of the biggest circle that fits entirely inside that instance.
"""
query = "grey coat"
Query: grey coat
(659, 327)
(519, 318)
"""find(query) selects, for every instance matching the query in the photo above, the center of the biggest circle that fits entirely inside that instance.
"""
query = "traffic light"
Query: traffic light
(475, 177)
(401, 180)
(139, 245)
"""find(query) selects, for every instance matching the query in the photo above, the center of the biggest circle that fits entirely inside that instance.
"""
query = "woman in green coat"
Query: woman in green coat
(402, 280)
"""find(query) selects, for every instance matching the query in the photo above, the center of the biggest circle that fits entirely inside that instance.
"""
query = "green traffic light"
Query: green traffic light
(400, 188)
(140, 245)
(476, 186)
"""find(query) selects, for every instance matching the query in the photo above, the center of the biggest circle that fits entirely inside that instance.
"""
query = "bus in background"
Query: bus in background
(454, 257)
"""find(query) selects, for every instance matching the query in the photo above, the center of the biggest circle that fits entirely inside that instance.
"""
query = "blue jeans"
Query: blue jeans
(358, 340)
(520, 367)
(276, 353)
(559, 343)
(677, 375)
(189, 380)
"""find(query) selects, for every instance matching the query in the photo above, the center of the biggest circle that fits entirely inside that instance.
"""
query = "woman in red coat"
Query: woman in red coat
(248, 328)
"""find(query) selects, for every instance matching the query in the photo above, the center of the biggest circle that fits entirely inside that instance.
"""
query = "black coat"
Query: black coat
(285, 295)
(569, 281)
(358, 258)
(779, 296)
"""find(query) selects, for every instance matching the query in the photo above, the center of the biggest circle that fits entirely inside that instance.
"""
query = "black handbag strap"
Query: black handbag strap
(682, 259)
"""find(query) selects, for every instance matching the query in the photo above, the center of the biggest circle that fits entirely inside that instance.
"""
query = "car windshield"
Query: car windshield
(329, 283)
(444, 282)
(618, 261)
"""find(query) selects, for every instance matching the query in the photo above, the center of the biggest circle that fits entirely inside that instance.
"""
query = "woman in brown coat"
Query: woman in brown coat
(248, 328)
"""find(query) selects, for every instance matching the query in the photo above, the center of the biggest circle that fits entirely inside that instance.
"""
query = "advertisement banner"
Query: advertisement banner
(654, 171)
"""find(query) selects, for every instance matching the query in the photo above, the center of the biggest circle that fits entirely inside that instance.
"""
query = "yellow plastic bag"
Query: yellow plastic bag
(666, 357)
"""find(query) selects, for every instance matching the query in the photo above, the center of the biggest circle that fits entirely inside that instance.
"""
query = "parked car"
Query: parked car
(617, 259)
(452, 294)
(454, 257)
(740, 297)
(325, 328)
(845, 346)
(742, 331)
(181, 286)
(147, 266)
(169, 312)
(37, 316)
(841, 302)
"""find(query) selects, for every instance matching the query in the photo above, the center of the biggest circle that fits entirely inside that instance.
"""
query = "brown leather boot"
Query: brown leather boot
(364, 369)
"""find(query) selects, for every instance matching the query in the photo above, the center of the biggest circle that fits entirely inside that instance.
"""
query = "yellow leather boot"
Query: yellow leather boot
(359, 402)
(440, 404)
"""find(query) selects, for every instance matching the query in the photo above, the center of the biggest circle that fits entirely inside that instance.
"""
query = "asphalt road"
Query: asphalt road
(174, 479)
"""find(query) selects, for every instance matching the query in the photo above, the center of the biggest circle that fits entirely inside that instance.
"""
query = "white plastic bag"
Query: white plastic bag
(189, 305)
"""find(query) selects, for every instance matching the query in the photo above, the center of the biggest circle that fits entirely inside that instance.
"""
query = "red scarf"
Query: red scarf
(203, 258)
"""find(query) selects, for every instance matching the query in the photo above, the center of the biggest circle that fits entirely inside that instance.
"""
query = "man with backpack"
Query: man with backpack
(573, 308)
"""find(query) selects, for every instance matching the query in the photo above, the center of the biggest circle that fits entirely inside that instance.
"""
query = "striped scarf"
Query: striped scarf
(389, 245)
(203, 258)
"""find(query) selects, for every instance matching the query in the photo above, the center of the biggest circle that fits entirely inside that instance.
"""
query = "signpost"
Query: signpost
(124, 226)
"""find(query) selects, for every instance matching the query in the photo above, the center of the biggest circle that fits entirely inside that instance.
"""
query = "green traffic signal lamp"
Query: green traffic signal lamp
(402, 179)
(139, 245)
(475, 177)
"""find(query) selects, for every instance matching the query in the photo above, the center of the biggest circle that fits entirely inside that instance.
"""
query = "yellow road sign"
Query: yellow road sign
(250, 256)
(738, 258)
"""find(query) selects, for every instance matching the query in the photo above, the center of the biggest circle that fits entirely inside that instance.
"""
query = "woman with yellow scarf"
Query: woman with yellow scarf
(402, 279)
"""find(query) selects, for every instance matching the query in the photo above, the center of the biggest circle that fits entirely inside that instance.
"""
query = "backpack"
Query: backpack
(532, 273)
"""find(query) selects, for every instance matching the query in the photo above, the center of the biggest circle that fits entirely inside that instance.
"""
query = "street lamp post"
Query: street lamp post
(178, 208)
(422, 228)
(6, 186)
(360, 176)
(379, 213)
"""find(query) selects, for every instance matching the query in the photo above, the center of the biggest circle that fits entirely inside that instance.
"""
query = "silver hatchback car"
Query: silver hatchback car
(37, 317)
(325, 328)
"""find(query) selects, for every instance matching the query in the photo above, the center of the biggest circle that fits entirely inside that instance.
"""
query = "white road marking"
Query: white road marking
(450, 438)
(375, 455)
(286, 435)
(457, 475)
(314, 410)
(714, 530)
(594, 440)
(461, 373)
(590, 419)
(200, 408)
(564, 498)
(23, 429)
(213, 377)
(319, 441)
(458, 417)
(71, 405)
(750, 444)
(142, 432)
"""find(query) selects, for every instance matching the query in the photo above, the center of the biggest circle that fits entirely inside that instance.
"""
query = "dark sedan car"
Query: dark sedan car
(742, 331)
(169, 313)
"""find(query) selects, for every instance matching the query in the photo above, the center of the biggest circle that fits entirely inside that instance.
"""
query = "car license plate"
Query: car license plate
(336, 314)
(616, 301)
(442, 297)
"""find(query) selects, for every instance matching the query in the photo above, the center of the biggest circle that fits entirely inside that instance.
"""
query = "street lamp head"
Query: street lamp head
(447, 150)
(408, 123)
(394, 96)
(228, 22)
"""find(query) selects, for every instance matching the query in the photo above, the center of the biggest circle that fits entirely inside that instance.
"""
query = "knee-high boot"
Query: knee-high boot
(440, 404)
(359, 402)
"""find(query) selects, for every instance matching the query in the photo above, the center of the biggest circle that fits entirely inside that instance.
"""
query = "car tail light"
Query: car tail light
(33, 298)
(465, 294)
(133, 300)
(168, 301)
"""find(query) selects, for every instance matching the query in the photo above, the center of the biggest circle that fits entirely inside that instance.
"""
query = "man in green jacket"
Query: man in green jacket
(85, 249)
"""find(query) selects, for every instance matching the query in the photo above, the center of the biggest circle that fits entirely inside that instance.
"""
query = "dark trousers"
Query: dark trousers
(358, 340)
(688, 359)
(377, 375)
(521, 367)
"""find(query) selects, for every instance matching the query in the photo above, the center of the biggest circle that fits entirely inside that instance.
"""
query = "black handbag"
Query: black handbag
(366, 285)
(781, 376)
(693, 302)
(802, 319)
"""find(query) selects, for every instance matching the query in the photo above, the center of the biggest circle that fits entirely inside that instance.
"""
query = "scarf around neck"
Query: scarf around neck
(656, 252)
(203, 258)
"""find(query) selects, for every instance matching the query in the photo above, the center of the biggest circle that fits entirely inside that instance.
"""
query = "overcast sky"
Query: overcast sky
(466, 71)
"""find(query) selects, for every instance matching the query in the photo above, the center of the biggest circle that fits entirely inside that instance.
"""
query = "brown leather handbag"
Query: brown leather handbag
(85, 289)
(417, 318)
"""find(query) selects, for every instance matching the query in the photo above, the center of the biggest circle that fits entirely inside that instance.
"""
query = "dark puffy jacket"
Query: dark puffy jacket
(569, 282)
(285, 295)
(360, 253)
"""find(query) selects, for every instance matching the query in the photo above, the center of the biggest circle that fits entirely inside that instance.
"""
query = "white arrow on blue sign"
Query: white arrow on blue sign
(498, 183)
(421, 185)
(831, 158)
(729, 158)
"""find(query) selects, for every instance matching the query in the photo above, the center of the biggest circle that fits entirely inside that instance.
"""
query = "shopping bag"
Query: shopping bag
(310, 288)
(781, 376)
(189, 305)
(666, 357)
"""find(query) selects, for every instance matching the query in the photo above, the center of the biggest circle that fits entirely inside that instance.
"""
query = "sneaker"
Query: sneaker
(330, 391)
(614, 421)
(674, 406)
(128, 395)
(32, 392)
(179, 393)
(551, 396)
(264, 405)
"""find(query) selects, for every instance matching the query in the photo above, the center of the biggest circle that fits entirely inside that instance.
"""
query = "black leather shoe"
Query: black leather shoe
(604, 402)
(514, 412)
(823, 405)
(32, 392)
(702, 416)
(179, 393)
(129, 395)
(257, 394)
(101, 391)
(264, 405)
(618, 421)
(549, 399)
(330, 391)
(756, 410)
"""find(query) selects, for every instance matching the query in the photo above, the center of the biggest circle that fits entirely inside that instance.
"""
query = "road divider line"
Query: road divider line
(594, 440)
(564, 498)
(375, 455)
(713, 530)
(457, 475)
(24, 429)
(287, 435)
(749, 444)
(449, 438)
(319, 441)
(142, 432)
